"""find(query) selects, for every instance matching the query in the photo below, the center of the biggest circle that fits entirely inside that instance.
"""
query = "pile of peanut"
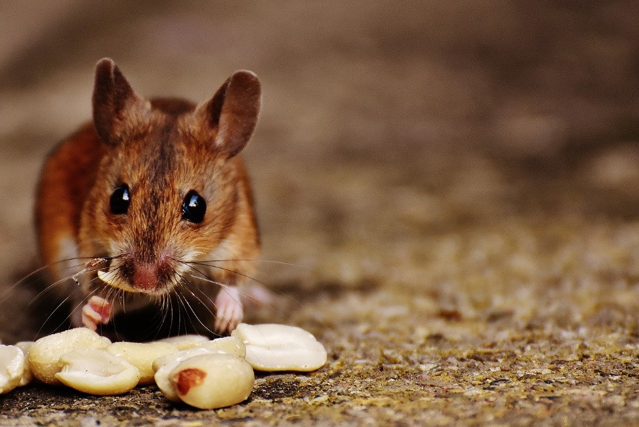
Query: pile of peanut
(192, 369)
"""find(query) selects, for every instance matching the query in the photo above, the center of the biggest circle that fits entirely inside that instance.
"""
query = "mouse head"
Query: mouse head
(229, 117)
(167, 191)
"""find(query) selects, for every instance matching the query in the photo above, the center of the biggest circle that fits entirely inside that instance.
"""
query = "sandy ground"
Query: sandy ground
(447, 192)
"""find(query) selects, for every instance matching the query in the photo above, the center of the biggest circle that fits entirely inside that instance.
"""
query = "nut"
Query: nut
(228, 345)
(12, 363)
(213, 380)
(114, 280)
(142, 355)
(97, 372)
(165, 364)
(184, 342)
(27, 376)
(271, 347)
(44, 357)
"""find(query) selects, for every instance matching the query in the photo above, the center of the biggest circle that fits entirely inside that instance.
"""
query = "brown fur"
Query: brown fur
(161, 149)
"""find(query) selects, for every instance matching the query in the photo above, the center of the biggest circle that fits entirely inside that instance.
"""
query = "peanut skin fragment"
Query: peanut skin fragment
(189, 378)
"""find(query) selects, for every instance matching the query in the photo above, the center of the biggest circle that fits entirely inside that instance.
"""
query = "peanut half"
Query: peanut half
(45, 353)
(142, 355)
(271, 347)
(12, 364)
(165, 364)
(27, 375)
(213, 380)
(228, 345)
(97, 372)
(184, 342)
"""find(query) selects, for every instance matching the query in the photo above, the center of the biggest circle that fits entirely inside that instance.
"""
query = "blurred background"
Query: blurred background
(388, 129)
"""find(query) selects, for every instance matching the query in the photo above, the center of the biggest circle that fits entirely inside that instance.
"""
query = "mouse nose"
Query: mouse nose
(145, 277)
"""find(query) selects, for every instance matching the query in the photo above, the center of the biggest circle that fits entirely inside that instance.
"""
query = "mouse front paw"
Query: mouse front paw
(229, 311)
(96, 311)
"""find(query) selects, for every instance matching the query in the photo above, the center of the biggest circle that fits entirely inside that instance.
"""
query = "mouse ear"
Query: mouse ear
(233, 112)
(114, 103)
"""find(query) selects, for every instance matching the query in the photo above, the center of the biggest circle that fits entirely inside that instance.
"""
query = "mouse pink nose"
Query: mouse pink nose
(145, 277)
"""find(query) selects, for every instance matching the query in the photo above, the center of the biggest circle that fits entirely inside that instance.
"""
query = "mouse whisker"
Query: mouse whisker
(202, 303)
(259, 261)
(47, 289)
(259, 297)
(247, 296)
(187, 288)
(61, 281)
(181, 309)
(204, 278)
(22, 281)
(51, 286)
(165, 304)
(60, 305)
(188, 310)
(223, 286)
(67, 317)
(228, 270)
(177, 312)
(166, 308)
(208, 298)
(192, 310)
(34, 277)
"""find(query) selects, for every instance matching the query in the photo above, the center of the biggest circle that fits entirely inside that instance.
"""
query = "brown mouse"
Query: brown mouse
(152, 196)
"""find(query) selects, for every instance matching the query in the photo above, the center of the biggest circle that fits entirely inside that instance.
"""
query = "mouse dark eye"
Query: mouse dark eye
(120, 200)
(193, 207)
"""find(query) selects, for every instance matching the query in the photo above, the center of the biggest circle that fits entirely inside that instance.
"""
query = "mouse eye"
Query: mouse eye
(120, 200)
(193, 207)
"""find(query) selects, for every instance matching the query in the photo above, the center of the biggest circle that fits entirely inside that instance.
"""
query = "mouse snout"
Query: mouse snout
(148, 274)
(145, 277)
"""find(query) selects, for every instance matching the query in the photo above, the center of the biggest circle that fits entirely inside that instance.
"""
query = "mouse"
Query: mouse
(149, 200)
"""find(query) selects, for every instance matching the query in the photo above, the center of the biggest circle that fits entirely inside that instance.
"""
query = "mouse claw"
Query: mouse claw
(229, 311)
(96, 311)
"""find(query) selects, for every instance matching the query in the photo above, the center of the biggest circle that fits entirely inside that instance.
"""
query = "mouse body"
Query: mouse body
(151, 199)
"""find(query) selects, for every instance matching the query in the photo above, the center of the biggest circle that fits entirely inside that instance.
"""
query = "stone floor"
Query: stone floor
(447, 191)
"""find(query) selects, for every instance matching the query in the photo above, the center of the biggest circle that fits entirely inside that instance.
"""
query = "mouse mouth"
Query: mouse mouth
(102, 266)
(135, 276)
(113, 279)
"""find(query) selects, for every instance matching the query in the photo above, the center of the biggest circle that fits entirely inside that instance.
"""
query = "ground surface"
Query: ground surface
(452, 186)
